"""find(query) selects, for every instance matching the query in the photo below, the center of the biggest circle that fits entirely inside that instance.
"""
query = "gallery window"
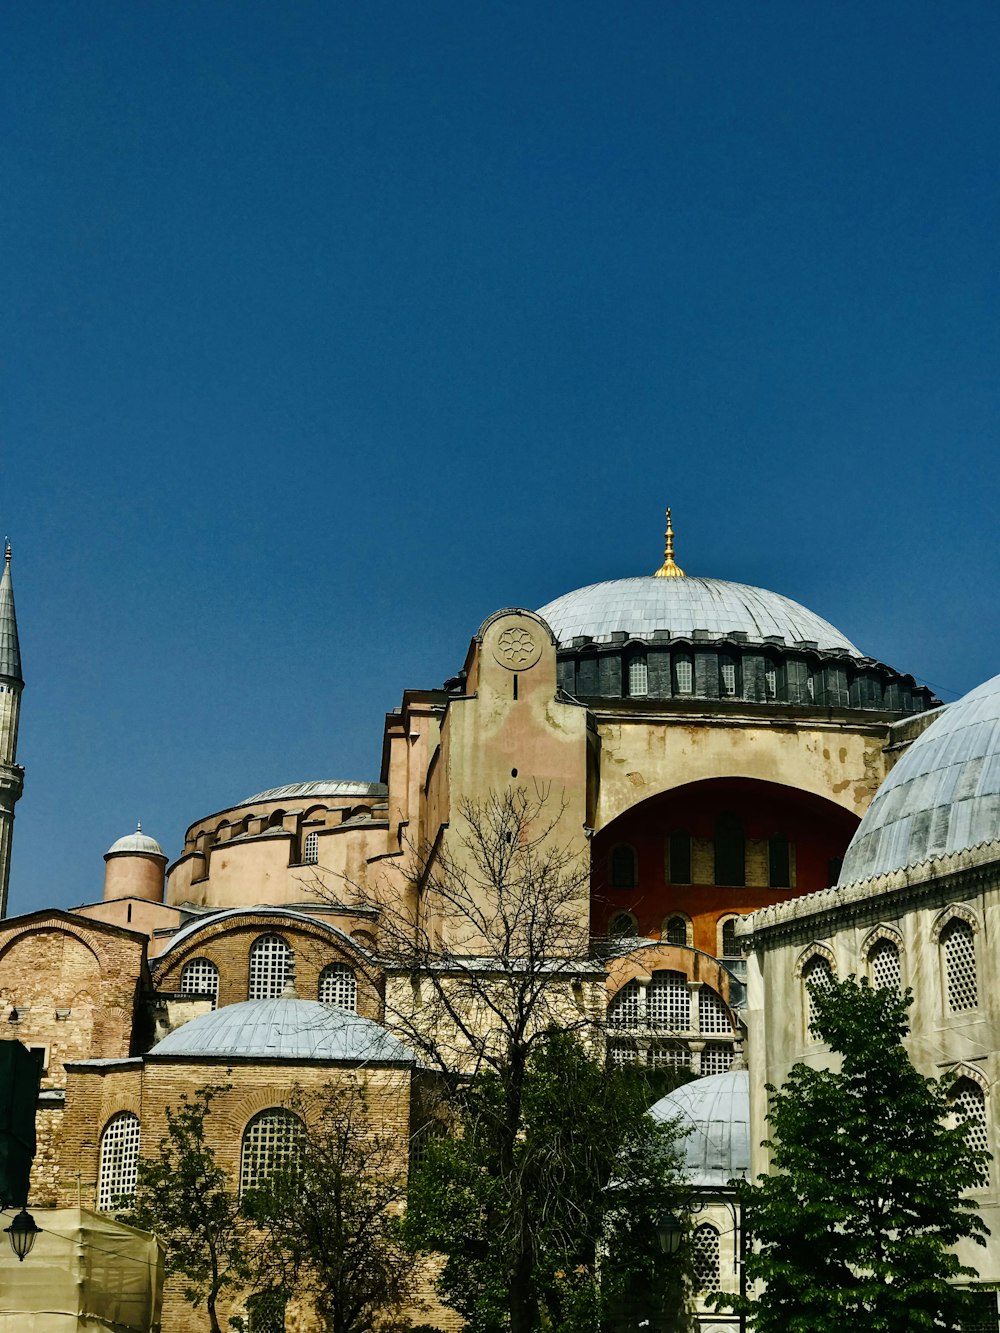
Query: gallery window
(623, 1011)
(679, 851)
(716, 1058)
(338, 985)
(624, 867)
(310, 852)
(713, 1016)
(730, 846)
(119, 1163)
(705, 1258)
(270, 957)
(200, 976)
(669, 1002)
(683, 675)
(959, 945)
(638, 677)
(730, 948)
(727, 680)
(779, 862)
(675, 930)
(272, 1142)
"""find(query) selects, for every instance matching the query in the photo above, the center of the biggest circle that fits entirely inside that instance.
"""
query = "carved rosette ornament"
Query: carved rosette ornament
(516, 648)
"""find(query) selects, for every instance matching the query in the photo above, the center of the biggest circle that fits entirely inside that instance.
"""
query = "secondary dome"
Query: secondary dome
(715, 1112)
(285, 1029)
(943, 796)
(137, 843)
(641, 606)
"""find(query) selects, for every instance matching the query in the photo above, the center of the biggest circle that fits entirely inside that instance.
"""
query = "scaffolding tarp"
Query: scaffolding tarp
(85, 1274)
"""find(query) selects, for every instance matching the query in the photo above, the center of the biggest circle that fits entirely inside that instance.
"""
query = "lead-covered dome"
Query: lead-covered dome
(683, 606)
(135, 844)
(942, 797)
(284, 1029)
(714, 1118)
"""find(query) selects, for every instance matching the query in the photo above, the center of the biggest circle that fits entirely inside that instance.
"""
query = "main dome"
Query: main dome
(943, 797)
(682, 606)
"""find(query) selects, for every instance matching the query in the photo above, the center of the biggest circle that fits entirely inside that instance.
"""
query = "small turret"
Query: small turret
(11, 685)
(134, 867)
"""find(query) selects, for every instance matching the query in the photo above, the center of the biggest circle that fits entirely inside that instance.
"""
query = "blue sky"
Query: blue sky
(327, 329)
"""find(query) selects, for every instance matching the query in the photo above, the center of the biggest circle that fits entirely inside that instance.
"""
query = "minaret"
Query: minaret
(11, 685)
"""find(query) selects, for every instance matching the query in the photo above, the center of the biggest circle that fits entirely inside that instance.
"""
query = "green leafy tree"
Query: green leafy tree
(329, 1224)
(187, 1199)
(560, 1195)
(854, 1227)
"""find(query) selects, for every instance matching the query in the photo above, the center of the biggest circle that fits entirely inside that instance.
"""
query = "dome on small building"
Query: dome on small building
(284, 1029)
(136, 844)
(942, 797)
(715, 1112)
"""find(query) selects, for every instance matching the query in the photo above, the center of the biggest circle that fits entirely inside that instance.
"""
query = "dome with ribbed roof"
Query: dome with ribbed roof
(714, 1117)
(304, 790)
(136, 844)
(284, 1029)
(942, 797)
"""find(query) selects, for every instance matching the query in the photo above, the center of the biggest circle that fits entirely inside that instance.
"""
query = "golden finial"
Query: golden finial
(669, 569)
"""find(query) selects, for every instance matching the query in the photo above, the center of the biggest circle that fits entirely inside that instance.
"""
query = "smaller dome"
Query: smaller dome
(284, 1029)
(138, 844)
(714, 1115)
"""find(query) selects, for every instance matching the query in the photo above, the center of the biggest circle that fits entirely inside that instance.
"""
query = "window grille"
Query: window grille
(713, 1016)
(716, 1058)
(266, 1311)
(730, 949)
(310, 849)
(670, 1057)
(685, 675)
(338, 985)
(619, 1056)
(969, 1104)
(959, 947)
(621, 924)
(779, 862)
(676, 931)
(771, 682)
(982, 1314)
(119, 1166)
(680, 857)
(818, 973)
(811, 686)
(623, 1011)
(728, 678)
(269, 960)
(669, 1002)
(200, 977)
(623, 867)
(272, 1142)
(638, 676)
(883, 962)
(705, 1258)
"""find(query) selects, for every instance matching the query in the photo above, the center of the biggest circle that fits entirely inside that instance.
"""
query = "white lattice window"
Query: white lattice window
(310, 849)
(272, 1142)
(716, 1058)
(638, 677)
(969, 1103)
(959, 946)
(818, 974)
(338, 985)
(685, 676)
(728, 678)
(669, 1057)
(705, 1258)
(200, 977)
(119, 1166)
(883, 962)
(713, 1016)
(623, 1011)
(269, 960)
(669, 1002)
(771, 682)
(620, 1056)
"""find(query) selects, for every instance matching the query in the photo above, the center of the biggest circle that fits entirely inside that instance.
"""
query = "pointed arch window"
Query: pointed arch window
(705, 1258)
(816, 975)
(959, 945)
(730, 850)
(338, 985)
(119, 1163)
(273, 1141)
(884, 967)
(270, 959)
(624, 868)
(200, 976)
(969, 1103)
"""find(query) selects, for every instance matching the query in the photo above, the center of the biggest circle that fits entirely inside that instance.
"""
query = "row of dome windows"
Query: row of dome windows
(677, 929)
(729, 848)
(668, 1002)
(271, 959)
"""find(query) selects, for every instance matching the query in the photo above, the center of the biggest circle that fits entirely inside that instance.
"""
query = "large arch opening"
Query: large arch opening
(711, 851)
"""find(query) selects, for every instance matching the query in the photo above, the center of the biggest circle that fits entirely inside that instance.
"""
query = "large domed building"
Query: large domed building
(706, 750)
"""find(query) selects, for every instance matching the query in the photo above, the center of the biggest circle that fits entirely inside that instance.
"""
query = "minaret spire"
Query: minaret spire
(11, 685)
(669, 569)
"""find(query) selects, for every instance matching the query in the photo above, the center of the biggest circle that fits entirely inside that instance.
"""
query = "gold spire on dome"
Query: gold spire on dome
(669, 569)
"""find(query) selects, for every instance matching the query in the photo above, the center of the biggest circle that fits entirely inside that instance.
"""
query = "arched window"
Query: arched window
(679, 849)
(818, 975)
(883, 966)
(200, 976)
(771, 681)
(266, 1311)
(638, 676)
(727, 679)
(623, 1011)
(675, 930)
(730, 949)
(730, 861)
(705, 1258)
(713, 1016)
(683, 675)
(338, 985)
(119, 1164)
(669, 1002)
(779, 862)
(959, 945)
(270, 957)
(310, 849)
(623, 867)
(272, 1142)
(969, 1103)
(622, 924)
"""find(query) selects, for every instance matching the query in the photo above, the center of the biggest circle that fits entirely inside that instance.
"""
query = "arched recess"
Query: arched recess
(954, 912)
(876, 935)
(815, 950)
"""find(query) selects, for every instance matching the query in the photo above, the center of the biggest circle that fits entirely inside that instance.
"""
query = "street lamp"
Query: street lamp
(22, 1232)
(670, 1232)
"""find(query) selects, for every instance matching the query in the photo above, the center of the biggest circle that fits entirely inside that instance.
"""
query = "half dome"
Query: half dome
(641, 606)
(715, 1113)
(284, 1029)
(942, 798)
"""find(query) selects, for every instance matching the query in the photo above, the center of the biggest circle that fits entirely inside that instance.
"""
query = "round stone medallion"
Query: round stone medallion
(516, 648)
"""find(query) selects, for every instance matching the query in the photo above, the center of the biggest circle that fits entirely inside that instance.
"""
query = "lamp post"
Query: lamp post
(21, 1233)
(670, 1232)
